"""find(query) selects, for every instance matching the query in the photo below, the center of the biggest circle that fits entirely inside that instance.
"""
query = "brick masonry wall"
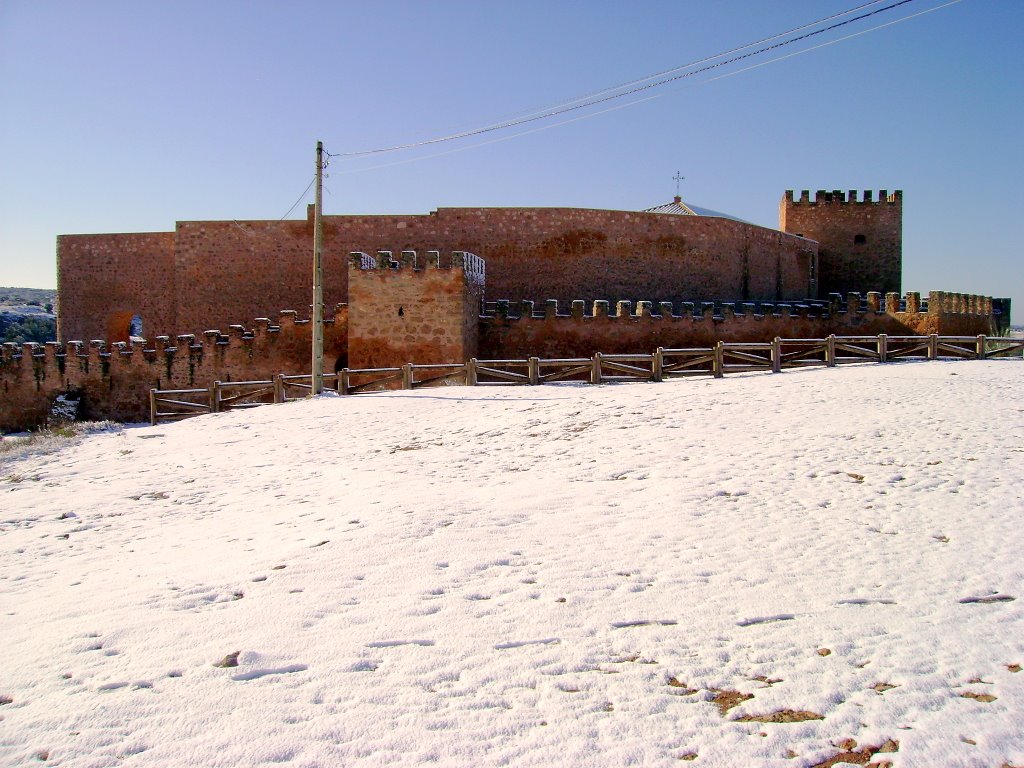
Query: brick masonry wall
(224, 272)
(420, 310)
(835, 220)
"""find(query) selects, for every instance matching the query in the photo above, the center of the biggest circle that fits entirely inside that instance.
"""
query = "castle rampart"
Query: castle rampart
(701, 278)
(113, 380)
(426, 309)
(517, 330)
(217, 273)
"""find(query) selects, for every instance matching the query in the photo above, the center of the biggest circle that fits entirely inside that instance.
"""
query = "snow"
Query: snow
(556, 575)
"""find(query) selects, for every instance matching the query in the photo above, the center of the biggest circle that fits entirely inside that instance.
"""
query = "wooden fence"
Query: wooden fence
(725, 357)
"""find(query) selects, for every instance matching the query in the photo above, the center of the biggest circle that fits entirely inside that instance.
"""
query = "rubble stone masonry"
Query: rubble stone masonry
(861, 243)
(551, 332)
(211, 274)
(417, 309)
(113, 380)
(440, 323)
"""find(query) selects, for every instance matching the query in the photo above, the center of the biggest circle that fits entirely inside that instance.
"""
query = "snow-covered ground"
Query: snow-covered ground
(559, 575)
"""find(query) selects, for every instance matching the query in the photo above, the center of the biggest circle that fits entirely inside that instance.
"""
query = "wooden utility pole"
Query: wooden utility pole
(318, 276)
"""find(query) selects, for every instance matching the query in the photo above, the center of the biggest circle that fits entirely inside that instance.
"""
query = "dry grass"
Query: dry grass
(45, 441)
(863, 756)
(726, 700)
(782, 716)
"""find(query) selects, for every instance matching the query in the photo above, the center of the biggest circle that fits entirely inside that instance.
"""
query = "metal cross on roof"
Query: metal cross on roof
(678, 177)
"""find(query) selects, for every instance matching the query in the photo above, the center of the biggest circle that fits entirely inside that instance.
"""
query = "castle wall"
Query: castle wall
(423, 308)
(114, 380)
(860, 243)
(564, 253)
(105, 280)
(441, 325)
(553, 332)
(224, 272)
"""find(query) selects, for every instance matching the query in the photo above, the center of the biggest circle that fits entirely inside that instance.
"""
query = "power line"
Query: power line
(589, 102)
(644, 99)
(301, 198)
(238, 224)
(567, 102)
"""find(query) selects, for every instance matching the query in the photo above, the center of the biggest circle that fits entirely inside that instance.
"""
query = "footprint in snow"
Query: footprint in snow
(523, 643)
(113, 686)
(644, 623)
(1000, 598)
(765, 619)
(256, 674)
(397, 643)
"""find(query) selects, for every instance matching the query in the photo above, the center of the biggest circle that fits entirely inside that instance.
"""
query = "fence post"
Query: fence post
(471, 372)
(407, 376)
(776, 355)
(533, 370)
(152, 407)
(981, 347)
(718, 364)
(215, 397)
(595, 369)
(278, 387)
(344, 382)
(657, 364)
(883, 348)
(830, 350)
(933, 346)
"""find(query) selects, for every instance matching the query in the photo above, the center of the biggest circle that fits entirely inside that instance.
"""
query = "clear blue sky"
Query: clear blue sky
(128, 116)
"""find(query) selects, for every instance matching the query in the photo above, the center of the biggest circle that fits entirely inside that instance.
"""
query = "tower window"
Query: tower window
(859, 239)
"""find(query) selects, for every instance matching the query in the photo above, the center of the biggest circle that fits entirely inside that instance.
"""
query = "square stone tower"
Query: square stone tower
(413, 310)
(861, 242)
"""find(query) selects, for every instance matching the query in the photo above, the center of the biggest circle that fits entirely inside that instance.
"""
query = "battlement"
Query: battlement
(936, 303)
(839, 197)
(472, 265)
(413, 307)
(114, 378)
(860, 238)
(554, 329)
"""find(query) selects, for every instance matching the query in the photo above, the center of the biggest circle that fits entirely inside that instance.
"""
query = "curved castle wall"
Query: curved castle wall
(217, 273)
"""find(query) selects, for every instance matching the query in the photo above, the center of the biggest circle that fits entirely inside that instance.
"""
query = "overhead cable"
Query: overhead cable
(647, 98)
(589, 102)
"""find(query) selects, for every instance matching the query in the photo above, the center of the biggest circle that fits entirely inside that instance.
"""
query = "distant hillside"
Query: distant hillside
(27, 296)
(27, 314)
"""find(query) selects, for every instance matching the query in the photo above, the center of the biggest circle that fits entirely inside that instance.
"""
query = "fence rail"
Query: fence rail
(725, 357)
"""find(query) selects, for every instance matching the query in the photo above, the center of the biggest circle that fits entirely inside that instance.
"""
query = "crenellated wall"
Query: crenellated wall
(426, 308)
(517, 331)
(114, 379)
(421, 308)
(860, 242)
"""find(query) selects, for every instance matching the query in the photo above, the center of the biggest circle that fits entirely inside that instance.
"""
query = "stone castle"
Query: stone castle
(609, 281)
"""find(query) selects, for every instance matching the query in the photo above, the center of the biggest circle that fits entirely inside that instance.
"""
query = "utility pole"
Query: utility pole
(318, 276)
